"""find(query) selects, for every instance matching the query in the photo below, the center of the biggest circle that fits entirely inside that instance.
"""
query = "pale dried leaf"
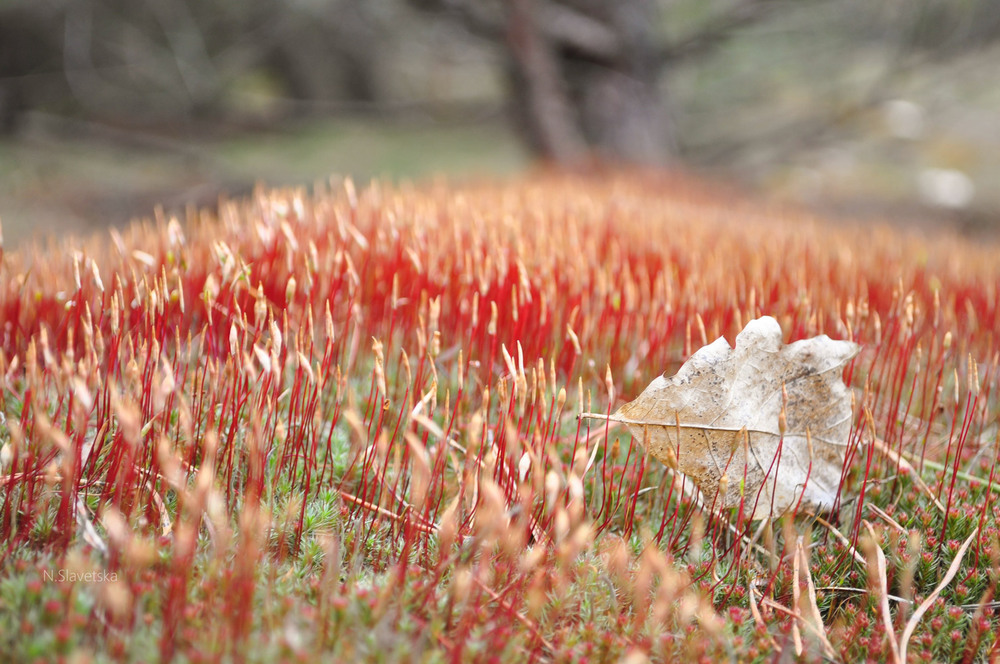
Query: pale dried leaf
(719, 420)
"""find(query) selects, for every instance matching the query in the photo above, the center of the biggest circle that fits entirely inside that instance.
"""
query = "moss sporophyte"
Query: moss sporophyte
(346, 425)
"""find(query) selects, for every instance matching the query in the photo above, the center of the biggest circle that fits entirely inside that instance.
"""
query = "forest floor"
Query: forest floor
(58, 176)
(763, 123)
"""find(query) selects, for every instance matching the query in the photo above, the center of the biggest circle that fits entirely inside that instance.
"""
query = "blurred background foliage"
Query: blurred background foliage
(866, 108)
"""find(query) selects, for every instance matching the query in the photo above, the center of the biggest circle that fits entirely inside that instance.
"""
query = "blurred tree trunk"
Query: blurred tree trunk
(30, 57)
(584, 74)
(540, 100)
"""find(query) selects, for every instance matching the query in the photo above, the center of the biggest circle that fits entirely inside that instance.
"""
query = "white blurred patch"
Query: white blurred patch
(524, 466)
(837, 162)
(946, 187)
(807, 183)
(904, 118)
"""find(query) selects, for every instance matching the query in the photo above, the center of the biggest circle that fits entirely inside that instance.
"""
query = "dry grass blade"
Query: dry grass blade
(593, 453)
(880, 513)
(166, 525)
(814, 605)
(883, 586)
(405, 517)
(14, 478)
(797, 601)
(911, 624)
(755, 611)
(902, 463)
(861, 591)
(427, 423)
(843, 539)
(524, 620)
(780, 608)
(794, 615)
(89, 533)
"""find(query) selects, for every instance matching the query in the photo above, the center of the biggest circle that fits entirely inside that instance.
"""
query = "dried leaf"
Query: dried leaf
(765, 424)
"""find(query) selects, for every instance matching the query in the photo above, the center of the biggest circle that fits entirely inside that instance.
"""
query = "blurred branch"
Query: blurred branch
(574, 29)
(716, 31)
(556, 22)
(793, 135)
(474, 16)
(571, 26)
(187, 44)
